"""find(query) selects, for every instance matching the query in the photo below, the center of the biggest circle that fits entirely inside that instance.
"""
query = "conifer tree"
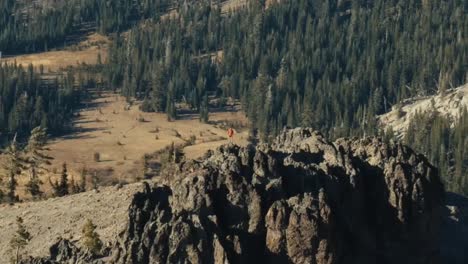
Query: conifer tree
(158, 95)
(19, 240)
(204, 112)
(61, 187)
(91, 240)
(13, 165)
(83, 175)
(36, 158)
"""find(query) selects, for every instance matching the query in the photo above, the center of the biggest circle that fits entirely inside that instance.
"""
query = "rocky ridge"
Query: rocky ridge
(301, 199)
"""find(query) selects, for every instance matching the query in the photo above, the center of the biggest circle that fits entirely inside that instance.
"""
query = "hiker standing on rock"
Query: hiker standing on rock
(230, 133)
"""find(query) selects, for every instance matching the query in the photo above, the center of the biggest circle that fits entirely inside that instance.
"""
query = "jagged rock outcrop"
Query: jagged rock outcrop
(65, 252)
(454, 232)
(301, 199)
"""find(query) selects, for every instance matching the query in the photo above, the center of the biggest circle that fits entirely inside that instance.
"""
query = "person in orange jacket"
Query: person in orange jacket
(230, 133)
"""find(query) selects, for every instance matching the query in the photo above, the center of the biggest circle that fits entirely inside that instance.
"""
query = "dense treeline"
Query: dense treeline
(32, 27)
(28, 100)
(24, 31)
(445, 144)
(331, 65)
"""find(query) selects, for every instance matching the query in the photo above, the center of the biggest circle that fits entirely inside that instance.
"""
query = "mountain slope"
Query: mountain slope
(51, 219)
(450, 105)
(301, 199)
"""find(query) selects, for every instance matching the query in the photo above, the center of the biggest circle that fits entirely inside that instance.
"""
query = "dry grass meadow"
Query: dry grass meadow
(86, 51)
(122, 136)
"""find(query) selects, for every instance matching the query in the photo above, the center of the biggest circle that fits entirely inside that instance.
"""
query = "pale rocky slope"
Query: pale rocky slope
(51, 219)
(450, 105)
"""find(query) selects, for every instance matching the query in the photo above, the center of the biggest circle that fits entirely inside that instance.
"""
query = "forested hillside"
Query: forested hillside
(332, 65)
(32, 26)
(446, 146)
(27, 100)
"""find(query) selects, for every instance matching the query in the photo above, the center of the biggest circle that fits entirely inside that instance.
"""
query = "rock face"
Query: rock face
(301, 199)
(454, 232)
(64, 252)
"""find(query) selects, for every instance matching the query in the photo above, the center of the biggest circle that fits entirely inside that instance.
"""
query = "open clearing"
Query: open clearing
(120, 134)
(122, 137)
(86, 52)
(232, 5)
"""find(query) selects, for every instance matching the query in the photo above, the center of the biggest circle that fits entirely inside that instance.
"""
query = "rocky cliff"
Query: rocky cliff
(301, 199)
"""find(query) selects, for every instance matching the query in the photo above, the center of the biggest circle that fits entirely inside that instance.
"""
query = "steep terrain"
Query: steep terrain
(301, 199)
(51, 219)
(449, 105)
(454, 233)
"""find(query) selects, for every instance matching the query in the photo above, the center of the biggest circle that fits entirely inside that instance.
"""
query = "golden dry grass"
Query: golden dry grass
(84, 52)
(122, 138)
(232, 5)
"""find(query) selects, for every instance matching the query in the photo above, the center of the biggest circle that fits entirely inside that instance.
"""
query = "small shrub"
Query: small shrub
(156, 130)
(177, 134)
(192, 140)
(97, 156)
(91, 239)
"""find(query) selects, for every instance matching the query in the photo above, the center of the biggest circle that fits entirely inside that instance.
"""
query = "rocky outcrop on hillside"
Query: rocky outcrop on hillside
(301, 199)
(450, 105)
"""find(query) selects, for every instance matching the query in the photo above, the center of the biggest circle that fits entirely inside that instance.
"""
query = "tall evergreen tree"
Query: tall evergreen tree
(13, 165)
(19, 240)
(61, 188)
(36, 158)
